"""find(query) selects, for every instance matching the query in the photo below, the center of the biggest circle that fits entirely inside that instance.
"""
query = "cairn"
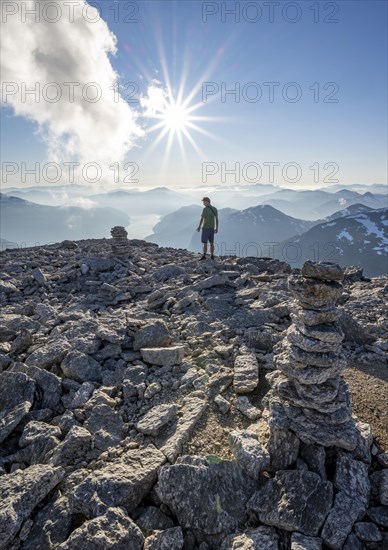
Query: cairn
(120, 244)
(309, 395)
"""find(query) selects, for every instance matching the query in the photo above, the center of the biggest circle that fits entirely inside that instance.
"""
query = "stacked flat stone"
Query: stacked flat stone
(120, 244)
(308, 394)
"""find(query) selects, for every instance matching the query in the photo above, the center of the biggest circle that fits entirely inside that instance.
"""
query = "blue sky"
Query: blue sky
(172, 37)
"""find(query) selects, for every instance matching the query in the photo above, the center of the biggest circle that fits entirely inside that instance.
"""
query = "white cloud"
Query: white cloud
(68, 52)
(155, 101)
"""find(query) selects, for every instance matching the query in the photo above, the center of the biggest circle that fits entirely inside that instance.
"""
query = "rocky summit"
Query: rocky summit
(152, 401)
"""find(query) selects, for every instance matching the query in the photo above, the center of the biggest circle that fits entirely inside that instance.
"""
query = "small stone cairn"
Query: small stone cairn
(309, 395)
(120, 244)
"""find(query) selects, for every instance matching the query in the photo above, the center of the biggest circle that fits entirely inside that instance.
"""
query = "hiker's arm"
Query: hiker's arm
(200, 223)
(217, 223)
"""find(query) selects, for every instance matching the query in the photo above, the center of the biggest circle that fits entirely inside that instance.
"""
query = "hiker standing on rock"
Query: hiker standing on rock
(208, 217)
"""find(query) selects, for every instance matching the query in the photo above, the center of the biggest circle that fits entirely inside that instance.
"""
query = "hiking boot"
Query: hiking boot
(212, 257)
(203, 257)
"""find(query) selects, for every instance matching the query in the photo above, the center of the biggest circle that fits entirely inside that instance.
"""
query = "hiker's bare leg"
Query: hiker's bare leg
(212, 249)
(205, 248)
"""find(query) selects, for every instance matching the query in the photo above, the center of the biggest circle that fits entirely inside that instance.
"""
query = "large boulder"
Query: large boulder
(20, 493)
(16, 398)
(49, 354)
(206, 496)
(340, 521)
(113, 530)
(154, 334)
(73, 448)
(155, 420)
(81, 367)
(295, 501)
(105, 424)
(261, 538)
(37, 439)
(52, 525)
(164, 357)
(122, 482)
(351, 477)
(170, 539)
(248, 452)
(48, 384)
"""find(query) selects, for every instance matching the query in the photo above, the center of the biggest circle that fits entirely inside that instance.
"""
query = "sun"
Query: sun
(175, 117)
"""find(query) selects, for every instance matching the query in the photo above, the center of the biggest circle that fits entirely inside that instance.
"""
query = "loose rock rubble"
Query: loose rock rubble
(135, 411)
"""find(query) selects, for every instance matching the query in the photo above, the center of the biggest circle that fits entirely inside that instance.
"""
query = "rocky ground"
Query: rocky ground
(122, 381)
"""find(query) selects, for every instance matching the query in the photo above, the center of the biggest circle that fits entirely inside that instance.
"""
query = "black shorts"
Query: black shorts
(207, 235)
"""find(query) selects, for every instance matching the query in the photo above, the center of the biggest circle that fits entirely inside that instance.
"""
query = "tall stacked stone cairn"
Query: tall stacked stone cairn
(120, 244)
(311, 458)
(309, 396)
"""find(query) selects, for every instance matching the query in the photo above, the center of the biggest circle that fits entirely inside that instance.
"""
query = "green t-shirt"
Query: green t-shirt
(209, 213)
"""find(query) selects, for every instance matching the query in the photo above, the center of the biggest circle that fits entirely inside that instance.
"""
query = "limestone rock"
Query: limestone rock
(167, 272)
(379, 515)
(164, 357)
(248, 452)
(294, 500)
(81, 367)
(73, 448)
(326, 271)
(222, 403)
(37, 439)
(310, 344)
(7, 287)
(340, 521)
(155, 334)
(353, 543)
(39, 276)
(16, 399)
(193, 409)
(52, 525)
(353, 331)
(20, 492)
(21, 343)
(283, 447)
(156, 419)
(311, 317)
(384, 488)
(351, 477)
(208, 498)
(82, 395)
(314, 456)
(105, 424)
(49, 385)
(114, 529)
(261, 538)
(243, 405)
(314, 294)
(246, 373)
(48, 355)
(153, 519)
(209, 282)
(170, 539)
(122, 482)
(301, 542)
(367, 531)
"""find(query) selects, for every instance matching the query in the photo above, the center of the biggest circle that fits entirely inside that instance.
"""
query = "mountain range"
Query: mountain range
(356, 239)
(304, 204)
(24, 223)
(349, 232)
